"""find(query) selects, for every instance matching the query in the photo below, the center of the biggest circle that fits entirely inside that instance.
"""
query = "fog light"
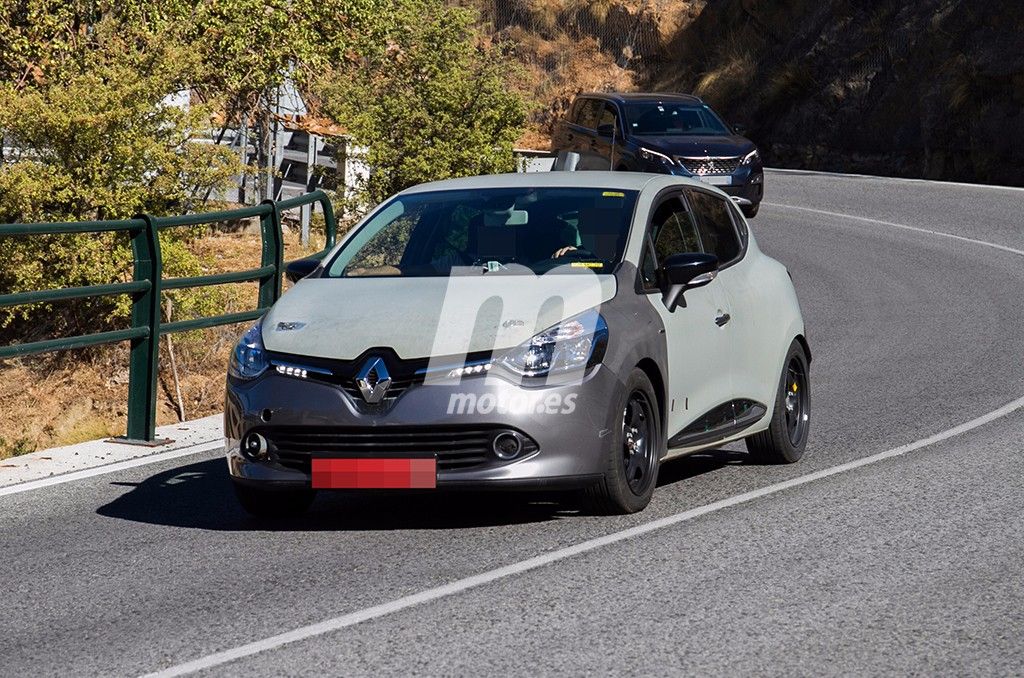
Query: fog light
(507, 445)
(255, 446)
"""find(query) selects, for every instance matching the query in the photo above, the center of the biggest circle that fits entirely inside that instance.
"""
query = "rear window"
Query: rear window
(587, 113)
(714, 222)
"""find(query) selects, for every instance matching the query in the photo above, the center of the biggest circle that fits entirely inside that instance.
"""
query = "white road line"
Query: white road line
(893, 224)
(461, 585)
(905, 180)
(110, 468)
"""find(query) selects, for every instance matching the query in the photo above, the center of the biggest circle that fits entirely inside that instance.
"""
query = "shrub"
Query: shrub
(429, 102)
(98, 138)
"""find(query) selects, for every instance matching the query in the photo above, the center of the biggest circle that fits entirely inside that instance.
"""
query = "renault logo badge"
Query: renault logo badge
(373, 380)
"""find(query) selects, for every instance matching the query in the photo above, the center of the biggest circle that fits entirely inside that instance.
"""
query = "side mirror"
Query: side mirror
(606, 131)
(739, 128)
(299, 269)
(682, 272)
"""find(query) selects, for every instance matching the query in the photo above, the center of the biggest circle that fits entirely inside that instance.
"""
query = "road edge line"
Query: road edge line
(882, 222)
(909, 180)
(71, 476)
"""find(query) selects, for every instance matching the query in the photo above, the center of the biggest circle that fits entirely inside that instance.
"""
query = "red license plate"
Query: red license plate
(367, 474)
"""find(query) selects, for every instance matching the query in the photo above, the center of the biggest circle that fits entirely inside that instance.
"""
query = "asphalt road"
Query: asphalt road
(909, 564)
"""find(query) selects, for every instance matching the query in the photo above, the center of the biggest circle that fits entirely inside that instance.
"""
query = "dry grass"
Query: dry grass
(734, 69)
(554, 71)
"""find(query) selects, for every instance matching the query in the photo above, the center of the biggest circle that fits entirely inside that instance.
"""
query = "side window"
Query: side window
(574, 111)
(608, 116)
(587, 113)
(389, 245)
(717, 232)
(672, 232)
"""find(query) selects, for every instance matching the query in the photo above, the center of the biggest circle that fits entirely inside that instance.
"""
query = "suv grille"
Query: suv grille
(456, 447)
(709, 166)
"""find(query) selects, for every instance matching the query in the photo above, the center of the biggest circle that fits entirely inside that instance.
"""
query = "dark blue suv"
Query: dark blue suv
(662, 133)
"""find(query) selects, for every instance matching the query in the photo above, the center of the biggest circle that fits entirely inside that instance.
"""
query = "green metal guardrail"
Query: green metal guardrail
(147, 285)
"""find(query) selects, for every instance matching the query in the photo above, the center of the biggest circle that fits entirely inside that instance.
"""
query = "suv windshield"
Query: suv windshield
(666, 119)
(473, 232)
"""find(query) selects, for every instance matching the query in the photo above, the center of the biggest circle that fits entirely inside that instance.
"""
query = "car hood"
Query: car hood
(699, 146)
(341, 318)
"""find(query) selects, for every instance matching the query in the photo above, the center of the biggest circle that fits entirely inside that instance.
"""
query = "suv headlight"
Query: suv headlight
(574, 344)
(249, 358)
(655, 157)
(751, 158)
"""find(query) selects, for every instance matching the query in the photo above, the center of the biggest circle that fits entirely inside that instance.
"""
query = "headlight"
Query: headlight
(249, 358)
(655, 157)
(573, 344)
(751, 158)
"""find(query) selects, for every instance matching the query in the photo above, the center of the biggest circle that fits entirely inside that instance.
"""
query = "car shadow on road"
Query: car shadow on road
(200, 496)
(706, 461)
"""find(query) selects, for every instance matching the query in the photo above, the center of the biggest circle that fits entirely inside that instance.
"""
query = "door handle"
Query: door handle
(722, 318)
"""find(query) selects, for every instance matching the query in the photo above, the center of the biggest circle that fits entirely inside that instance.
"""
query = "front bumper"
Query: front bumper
(569, 424)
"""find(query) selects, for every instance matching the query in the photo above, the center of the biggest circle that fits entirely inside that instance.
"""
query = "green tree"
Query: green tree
(429, 101)
(96, 138)
(250, 48)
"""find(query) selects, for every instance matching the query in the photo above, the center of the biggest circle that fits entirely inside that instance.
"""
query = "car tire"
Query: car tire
(750, 211)
(273, 503)
(785, 439)
(631, 470)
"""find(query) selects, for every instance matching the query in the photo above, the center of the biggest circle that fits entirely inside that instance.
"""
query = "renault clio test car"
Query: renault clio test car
(558, 331)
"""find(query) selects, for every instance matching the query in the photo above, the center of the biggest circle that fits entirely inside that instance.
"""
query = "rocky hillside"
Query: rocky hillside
(933, 88)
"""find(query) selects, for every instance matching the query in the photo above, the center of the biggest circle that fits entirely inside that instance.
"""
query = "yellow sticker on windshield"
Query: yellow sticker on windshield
(613, 194)
(587, 264)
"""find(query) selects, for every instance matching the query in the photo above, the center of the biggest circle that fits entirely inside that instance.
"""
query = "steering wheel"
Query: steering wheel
(578, 253)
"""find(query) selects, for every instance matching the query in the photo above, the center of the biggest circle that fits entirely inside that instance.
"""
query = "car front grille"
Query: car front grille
(455, 447)
(709, 166)
(404, 373)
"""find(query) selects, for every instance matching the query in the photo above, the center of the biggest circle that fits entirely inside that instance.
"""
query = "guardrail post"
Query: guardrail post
(145, 351)
(273, 254)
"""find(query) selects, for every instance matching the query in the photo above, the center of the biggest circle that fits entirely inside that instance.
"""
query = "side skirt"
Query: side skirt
(720, 423)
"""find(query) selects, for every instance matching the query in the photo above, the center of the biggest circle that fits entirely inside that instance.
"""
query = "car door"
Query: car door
(570, 133)
(723, 233)
(585, 135)
(699, 374)
(607, 134)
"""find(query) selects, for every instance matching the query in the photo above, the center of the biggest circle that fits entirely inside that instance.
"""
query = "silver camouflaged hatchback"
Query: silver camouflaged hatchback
(551, 331)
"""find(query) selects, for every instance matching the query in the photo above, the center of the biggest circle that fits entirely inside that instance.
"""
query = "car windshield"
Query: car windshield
(664, 119)
(490, 231)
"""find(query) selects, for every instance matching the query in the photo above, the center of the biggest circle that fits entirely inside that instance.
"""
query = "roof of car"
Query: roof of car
(625, 181)
(646, 96)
